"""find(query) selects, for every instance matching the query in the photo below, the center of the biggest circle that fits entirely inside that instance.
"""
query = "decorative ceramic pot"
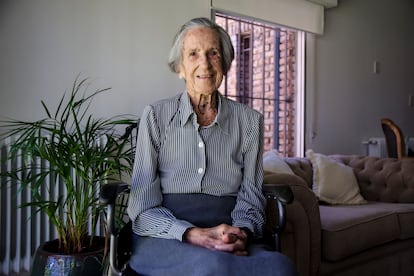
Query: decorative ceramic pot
(47, 263)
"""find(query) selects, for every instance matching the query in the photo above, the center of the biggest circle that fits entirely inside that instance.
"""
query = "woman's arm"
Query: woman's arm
(144, 208)
(249, 211)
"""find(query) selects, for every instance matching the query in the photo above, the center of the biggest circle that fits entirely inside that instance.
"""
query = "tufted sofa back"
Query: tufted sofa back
(379, 179)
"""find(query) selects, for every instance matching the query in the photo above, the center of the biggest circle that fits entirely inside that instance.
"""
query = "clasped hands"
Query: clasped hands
(222, 238)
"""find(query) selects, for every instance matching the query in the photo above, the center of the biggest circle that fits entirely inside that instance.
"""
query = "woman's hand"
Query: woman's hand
(222, 237)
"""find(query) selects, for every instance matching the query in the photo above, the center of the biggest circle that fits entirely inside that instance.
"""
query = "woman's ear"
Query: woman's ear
(181, 74)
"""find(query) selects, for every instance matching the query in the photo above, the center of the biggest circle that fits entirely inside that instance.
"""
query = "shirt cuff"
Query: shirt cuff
(178, 228)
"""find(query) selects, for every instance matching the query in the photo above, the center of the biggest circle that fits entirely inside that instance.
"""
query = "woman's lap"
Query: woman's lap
(157, 256)
(154, 256)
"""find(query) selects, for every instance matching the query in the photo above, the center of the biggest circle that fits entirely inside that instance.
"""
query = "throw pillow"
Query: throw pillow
(334, 182)
(272, 162)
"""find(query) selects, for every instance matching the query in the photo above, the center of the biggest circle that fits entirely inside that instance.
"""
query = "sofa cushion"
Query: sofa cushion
(405, 213)
(350, 229)
(334, 182)
(272, 162)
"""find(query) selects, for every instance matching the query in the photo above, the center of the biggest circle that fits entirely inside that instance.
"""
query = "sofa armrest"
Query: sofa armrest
(301, 240)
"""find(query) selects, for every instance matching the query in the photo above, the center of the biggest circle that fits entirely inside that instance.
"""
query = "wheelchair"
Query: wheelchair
(120, 241)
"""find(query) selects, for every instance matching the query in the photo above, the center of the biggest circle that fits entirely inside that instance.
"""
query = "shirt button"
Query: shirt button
(200, 170)
(200, 144)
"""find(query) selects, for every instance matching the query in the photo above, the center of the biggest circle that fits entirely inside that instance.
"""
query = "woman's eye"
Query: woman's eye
(192, 54)
(214, 54)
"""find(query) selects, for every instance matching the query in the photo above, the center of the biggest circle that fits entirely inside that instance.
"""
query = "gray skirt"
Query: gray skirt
(156, 256)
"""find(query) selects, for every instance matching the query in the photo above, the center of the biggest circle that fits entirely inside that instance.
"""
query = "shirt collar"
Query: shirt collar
(223, 116)
(222, 119)
(186, 109)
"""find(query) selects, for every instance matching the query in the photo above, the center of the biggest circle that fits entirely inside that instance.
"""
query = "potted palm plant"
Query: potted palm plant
(82, 153)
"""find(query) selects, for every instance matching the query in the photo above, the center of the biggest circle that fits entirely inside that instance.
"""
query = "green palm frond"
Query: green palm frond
(67, 138)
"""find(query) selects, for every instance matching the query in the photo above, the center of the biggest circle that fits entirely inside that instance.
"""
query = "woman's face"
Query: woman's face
(201, 62)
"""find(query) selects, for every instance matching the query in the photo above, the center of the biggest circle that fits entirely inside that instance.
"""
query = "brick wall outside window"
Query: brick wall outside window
(263, 76)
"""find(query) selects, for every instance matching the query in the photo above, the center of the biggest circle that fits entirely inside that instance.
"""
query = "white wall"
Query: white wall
(350, 98)
(121, 44)
(124, 44)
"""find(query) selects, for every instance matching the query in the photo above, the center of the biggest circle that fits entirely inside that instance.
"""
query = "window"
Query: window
(266, 75)
(243, 77)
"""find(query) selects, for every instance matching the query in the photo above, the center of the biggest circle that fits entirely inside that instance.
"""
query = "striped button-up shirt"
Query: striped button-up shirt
(176, 155)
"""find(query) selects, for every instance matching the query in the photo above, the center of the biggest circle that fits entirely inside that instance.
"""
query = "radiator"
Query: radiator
(22, 230)
(375, 147)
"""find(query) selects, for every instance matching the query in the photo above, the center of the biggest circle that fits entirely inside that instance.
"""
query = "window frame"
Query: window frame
(298, 135)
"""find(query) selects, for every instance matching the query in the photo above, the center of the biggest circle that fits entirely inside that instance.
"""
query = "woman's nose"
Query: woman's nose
(205, 61)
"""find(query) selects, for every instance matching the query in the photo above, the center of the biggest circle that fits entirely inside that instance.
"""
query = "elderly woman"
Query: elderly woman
(196, 199)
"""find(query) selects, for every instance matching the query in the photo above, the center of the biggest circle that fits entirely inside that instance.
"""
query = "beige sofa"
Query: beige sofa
(373, 238)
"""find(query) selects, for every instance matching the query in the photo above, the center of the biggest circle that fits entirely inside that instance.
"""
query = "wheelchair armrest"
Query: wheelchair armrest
(109, 192)
(108, 195)
(282, 193)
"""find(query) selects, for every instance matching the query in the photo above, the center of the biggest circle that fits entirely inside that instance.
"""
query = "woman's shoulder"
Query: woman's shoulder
(240, 109)
(163, 105)
(165, 102)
